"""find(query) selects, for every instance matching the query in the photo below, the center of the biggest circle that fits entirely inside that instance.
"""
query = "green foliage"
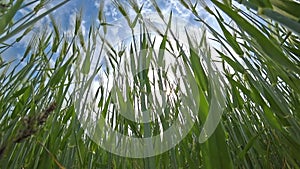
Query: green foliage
(260, 56)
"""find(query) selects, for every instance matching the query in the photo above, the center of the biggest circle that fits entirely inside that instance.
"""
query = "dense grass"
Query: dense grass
(258, 47)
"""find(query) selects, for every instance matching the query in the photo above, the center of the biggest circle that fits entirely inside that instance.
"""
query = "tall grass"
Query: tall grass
(260, 124)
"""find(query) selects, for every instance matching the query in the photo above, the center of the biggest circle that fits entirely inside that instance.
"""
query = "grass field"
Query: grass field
(257, 49)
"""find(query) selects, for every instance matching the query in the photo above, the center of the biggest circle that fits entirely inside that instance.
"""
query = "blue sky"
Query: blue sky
(66, 15)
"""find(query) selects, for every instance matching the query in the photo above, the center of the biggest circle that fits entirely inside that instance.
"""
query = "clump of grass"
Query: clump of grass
(260, 124)
(31, 124)
(29, 127)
